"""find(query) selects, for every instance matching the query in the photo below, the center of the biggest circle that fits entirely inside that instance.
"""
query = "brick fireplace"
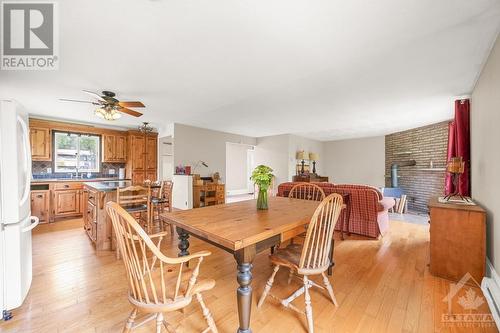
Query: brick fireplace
(423, 179)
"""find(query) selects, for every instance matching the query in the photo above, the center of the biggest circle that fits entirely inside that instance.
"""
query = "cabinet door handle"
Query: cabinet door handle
(39, 196)
(66, 186)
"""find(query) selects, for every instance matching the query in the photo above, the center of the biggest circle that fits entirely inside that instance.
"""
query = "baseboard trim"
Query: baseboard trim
(238, 192)
(491, 290)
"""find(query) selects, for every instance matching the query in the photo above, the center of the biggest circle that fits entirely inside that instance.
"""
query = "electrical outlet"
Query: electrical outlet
(49, 170)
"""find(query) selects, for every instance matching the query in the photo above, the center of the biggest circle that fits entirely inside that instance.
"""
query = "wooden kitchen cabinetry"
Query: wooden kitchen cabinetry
(90, 213)
(40, 205)
(67, 200)
(40, 142)
(142, 155)
(114, 148)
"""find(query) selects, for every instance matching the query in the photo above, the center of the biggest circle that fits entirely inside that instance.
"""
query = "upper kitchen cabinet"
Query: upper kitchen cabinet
(40, 143)
(114, 148)
(142, 156)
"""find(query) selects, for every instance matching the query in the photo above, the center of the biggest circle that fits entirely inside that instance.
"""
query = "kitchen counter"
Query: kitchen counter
(80, 180)
(107, 186)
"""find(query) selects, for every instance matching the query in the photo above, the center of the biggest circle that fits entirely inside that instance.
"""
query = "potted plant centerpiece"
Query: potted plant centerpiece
(262, 176)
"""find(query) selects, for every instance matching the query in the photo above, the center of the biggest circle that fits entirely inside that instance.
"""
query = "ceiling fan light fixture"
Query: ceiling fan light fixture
(107, 113)
(101, 113)
(146, 128)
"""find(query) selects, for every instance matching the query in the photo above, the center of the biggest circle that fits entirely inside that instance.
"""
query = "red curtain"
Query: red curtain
(459, 146)
(448, 185)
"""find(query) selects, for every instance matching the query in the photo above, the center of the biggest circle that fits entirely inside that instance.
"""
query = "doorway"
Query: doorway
(239, 166)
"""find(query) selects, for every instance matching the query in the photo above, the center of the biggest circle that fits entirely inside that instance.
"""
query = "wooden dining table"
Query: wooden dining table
(243, 231)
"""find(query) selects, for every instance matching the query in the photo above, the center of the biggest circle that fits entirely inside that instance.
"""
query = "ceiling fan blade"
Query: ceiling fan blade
(130, 112)
(75, 100)
(93, 94)
(131, 104)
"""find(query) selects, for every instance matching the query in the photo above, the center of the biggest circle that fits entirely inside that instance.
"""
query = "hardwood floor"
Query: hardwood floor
(381, 286)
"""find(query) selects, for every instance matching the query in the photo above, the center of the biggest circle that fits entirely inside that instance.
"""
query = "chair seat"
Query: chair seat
(157, 201)
(289, 256)
(136, 208)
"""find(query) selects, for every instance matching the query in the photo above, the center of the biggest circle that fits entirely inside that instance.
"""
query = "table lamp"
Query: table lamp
(313, 157)
(302, 155)
(456, 167)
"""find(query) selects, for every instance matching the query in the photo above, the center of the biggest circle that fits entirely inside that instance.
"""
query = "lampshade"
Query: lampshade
(455, 165)
(108, 114)
(313, 156)
(302, 155)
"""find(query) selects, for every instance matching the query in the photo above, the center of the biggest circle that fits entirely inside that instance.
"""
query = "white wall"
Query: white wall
(298, 143)
(356, 161)
(485, 152)
(192, 144)
(166, 158)
(237, 168)
(273, 152)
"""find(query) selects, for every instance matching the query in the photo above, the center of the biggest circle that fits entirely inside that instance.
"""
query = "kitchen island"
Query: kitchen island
(95, 219)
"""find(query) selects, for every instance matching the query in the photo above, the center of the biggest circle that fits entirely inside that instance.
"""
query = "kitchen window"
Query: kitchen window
(75, 152)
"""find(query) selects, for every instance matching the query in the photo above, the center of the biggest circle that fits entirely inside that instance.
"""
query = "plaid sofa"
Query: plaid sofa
(368, 209)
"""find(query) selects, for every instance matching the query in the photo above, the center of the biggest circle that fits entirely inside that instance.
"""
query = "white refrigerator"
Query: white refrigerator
(16, 221)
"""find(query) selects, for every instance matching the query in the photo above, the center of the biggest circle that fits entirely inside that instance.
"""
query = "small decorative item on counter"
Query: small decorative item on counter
(179, 170)
(216, 177)
(187, 169)
(197, 179)
(262, 176)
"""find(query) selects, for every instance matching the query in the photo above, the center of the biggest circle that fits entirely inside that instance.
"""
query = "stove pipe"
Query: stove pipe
(394, 170)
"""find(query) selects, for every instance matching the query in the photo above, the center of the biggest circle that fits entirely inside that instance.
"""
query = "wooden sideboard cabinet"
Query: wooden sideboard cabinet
(310, 177)
(209, 194)
(457, 240)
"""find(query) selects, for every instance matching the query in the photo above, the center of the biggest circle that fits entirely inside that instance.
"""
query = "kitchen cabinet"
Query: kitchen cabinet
(142, 155)
(40, 205)
(40, 142)
(90, 214)
(67, 200)
(114, 148)
(121, 148)
(151, 154)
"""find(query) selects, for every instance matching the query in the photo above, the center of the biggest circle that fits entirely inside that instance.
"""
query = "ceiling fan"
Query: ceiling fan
(109, 107)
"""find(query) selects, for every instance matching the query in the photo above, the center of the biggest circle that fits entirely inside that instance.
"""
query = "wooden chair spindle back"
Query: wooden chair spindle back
(317, 245)
(307, 191)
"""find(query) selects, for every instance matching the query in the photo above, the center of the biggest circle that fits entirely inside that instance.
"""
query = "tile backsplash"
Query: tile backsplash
(40, 169)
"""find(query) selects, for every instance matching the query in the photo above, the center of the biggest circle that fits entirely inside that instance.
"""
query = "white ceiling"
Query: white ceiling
(325, 69)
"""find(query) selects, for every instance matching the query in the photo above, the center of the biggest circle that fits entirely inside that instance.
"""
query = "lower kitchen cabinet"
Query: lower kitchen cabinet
(67, 203)
(40, 205)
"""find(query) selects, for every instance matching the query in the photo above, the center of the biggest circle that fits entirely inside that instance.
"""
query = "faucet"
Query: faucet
(76, 174)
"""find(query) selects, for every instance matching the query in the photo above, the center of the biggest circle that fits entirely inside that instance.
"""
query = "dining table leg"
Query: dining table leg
(183, 242)
(244, 259)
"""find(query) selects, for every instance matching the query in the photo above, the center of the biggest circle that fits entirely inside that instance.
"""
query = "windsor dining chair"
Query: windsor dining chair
(157, 283)
(307, 191)
(311, 258)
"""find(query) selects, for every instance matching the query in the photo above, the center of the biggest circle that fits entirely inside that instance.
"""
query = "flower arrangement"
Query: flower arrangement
(262, 176)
